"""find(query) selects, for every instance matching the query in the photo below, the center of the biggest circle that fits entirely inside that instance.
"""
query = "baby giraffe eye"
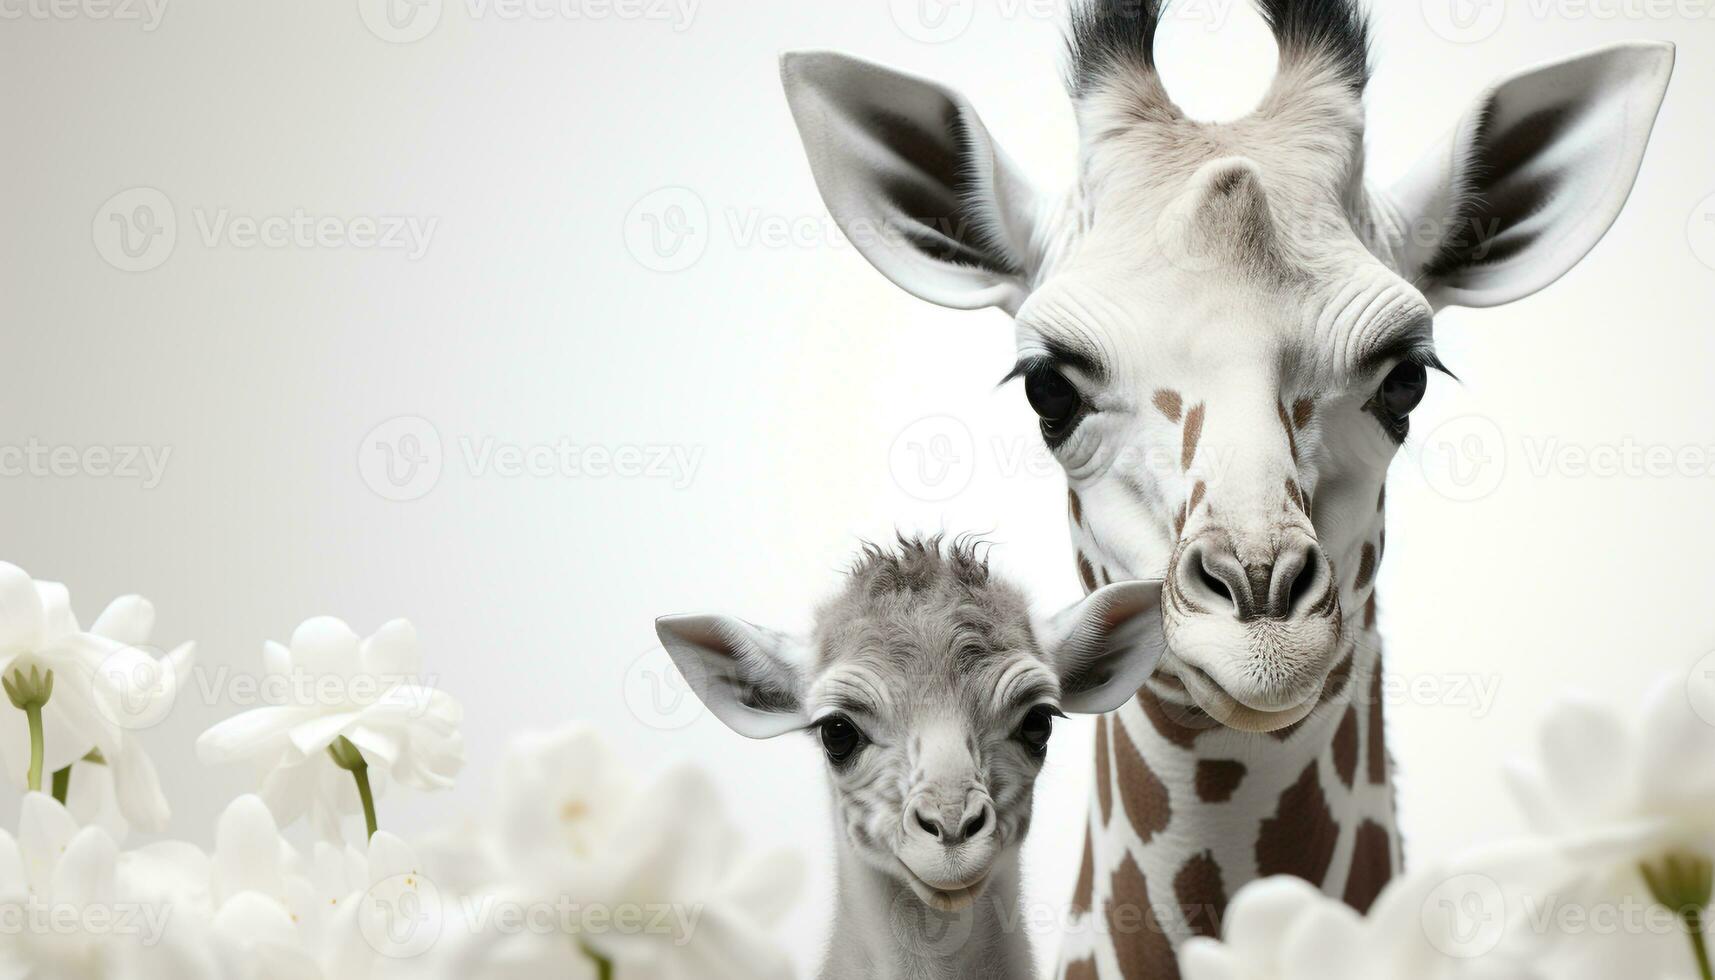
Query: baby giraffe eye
(1053, 399)
(1038, 724)
(1403, 389)
(840, 739)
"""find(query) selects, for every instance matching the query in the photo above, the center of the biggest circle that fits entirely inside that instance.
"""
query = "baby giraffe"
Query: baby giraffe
(932, 692)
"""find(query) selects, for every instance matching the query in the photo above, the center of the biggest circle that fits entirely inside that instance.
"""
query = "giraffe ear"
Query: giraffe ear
(910, 173)
(752, 678)
(1106, 646)
(1533, 176)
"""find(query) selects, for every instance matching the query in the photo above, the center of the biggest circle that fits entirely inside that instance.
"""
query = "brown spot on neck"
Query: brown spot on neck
(1141, 948)
(1372, 866)
(1104, 785)
(1300, 838)
(1218, 779)
(1193, 435)
(1147, 803)
(1377, 754)
(1345, 748)
(1177, 725)
(1201, 895)
(1084, 969)
(1169, 404)
(1077, 507)
(1083, 894)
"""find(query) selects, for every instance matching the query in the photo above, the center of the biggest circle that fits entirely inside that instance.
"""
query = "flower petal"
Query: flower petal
(85, 873)
(253, 733)
(325, 645)
(1585, 754)
(21, 617)
(128, 619)
(247, 850)
(391, 653)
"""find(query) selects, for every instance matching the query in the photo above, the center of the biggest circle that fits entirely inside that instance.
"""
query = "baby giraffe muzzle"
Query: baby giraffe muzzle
(933, 693)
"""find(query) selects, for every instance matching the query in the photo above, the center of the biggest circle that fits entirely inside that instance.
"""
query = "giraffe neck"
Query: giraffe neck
(1185, 812)
(883, 931)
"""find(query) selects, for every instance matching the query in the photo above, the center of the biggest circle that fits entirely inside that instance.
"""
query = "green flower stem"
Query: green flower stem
(62, 784)
(38, 745)
(1685, 885)
(29, 693)
(603, 965)
(347, 757)
(1700, 947)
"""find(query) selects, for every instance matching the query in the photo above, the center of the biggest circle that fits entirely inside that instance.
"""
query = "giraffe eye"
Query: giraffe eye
(1403, 389)
(840, 739)
(1053, 399)
(1038, 724)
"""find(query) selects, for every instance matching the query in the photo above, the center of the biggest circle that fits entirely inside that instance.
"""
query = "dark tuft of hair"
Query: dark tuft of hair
(1110, 35)
(1339, 29)
(917, 564)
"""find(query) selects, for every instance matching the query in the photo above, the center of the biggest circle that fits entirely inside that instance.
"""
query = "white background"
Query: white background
(797, 376)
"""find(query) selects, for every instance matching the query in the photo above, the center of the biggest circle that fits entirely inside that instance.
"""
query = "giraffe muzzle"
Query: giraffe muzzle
(1252, 626)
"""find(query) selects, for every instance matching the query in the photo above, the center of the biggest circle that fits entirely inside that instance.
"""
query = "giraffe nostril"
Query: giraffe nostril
(1214, 584)
(931, 826)
(974, 826)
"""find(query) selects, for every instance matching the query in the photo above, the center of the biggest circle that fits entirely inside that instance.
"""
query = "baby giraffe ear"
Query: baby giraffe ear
(1106, 646)
(753, 679)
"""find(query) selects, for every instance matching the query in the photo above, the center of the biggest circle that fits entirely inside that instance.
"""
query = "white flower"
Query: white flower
(71, 919)
(331, 686)
(105, 687)
(1609, 795)
(568, 827)
(1283, 928)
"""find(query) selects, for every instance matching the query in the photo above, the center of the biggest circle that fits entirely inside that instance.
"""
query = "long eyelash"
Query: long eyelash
(1427, 357)
(1026, 366)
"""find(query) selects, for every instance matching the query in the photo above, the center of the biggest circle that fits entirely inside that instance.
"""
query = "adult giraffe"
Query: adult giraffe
(1224, 330)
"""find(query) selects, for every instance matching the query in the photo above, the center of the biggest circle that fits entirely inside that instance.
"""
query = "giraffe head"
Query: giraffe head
(932, 693)
(1223, 327)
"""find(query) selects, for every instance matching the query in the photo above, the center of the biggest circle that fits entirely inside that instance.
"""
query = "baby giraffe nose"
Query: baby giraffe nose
(1253, 587)
(954, 823)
